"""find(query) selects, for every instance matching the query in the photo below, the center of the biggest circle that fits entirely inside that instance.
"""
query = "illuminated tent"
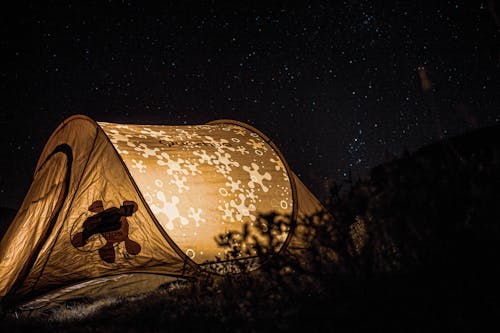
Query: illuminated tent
(115, 209)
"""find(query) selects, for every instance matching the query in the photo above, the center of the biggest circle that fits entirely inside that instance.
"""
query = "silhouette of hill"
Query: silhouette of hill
(438, 203)
(480, 146)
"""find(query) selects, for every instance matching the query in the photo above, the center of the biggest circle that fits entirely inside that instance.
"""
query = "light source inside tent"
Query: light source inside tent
(143, 201)
(203, 181)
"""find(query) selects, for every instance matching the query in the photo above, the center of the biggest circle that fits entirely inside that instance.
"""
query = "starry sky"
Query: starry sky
(339, 86)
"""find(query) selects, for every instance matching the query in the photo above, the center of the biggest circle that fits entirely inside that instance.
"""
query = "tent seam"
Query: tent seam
(67, 211)
(169, 240)
(22, 277)
(293, 185)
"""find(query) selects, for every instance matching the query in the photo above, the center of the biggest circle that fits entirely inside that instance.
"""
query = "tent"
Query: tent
(117, 208)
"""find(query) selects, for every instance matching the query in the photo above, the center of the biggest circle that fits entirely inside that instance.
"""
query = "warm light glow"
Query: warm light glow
(202, 181)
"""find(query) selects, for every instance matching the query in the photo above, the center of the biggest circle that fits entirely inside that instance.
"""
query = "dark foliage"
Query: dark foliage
(414, 247)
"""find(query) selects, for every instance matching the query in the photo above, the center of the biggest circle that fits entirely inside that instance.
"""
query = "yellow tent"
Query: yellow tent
(117, 208)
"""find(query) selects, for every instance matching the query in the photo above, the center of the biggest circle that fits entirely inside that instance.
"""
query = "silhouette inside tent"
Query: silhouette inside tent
(112, 224)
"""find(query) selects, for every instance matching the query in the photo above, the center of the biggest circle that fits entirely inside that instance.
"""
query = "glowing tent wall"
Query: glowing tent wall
(180, 186)
(201, 181)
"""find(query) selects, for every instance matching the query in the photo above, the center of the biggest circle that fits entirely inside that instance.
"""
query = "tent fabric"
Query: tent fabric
(308, 205)
(110, 200)
(121, 285)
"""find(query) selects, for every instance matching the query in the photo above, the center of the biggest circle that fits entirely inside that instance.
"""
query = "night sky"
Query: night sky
(338, 86)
